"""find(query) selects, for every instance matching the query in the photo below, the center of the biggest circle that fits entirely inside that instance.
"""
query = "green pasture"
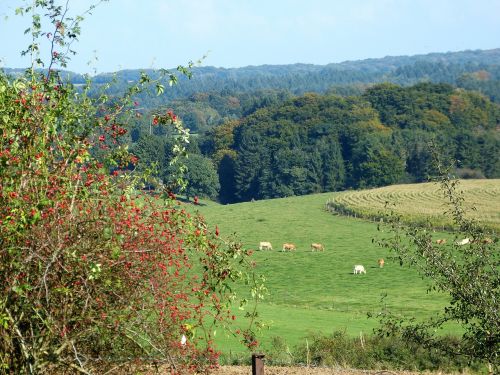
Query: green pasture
(317, 291)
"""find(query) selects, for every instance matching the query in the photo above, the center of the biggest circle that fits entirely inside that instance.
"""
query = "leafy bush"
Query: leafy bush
(93, 272)
(468, 173)
(468, 270)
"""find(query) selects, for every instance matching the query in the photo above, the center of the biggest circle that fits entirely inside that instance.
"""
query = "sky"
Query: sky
(141, 34)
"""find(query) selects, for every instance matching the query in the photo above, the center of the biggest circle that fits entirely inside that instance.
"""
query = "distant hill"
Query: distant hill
(475, 69)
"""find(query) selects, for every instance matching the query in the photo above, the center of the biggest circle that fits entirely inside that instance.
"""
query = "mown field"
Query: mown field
(317, 291)
(418, 202)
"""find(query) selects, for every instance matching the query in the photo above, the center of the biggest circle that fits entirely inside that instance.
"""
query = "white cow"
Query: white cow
(265, 245)
(358, 268)
(465, 241)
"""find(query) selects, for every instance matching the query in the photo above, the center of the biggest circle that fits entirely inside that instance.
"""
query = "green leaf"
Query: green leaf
(116, 252)
(159, 89)
(107, 233)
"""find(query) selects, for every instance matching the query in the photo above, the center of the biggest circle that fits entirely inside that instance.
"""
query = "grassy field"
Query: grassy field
(417, 202)
(317, 291)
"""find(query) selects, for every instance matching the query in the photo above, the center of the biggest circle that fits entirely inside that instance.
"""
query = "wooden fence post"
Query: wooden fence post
(258, 364)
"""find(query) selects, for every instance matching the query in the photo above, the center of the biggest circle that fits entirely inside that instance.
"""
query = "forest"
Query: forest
(273, 131)
(285, 145)
(473, 70)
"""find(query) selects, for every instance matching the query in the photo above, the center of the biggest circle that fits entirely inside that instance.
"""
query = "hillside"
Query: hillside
(316, 291)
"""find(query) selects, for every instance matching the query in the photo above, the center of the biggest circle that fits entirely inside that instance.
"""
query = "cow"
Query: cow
(358, 268)
(317, 247)
(441, 241)
(289, 247)
(264, 245)
(485, 241)
(465, 241)
(381, 262)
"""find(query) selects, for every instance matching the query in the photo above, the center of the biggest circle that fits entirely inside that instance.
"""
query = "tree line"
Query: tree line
(477, 70)
(295, 145)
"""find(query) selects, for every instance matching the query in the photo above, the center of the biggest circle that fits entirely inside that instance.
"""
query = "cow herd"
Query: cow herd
(288, 246)
(466, 241)
(358, 268)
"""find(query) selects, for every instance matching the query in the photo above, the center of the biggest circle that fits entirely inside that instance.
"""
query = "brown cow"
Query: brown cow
(381, 262)
(317, 247)
(289, 247)
(441, 241)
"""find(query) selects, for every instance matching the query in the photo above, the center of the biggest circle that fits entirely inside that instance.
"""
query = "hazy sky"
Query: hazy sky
(124, 34)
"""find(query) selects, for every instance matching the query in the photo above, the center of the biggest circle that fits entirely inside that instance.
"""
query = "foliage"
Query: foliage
(373, 352)
(267, 144)
(367, 352)
(468, 271)
(93, 271)
(473, 70)
(316, 143)
(201, 176)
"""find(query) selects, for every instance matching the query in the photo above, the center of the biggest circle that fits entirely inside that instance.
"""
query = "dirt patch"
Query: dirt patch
(272, 370)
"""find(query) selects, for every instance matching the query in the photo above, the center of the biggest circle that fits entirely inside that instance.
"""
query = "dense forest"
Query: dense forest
(272, 131)
(214, 95)
(313, 143)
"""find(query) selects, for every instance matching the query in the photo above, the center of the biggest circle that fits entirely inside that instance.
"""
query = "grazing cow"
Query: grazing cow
(441, 241)
(485, 241)
(381, 262)
(289, 247)
(358, 268)
(265, 245)
(465, 241)
(317, 247)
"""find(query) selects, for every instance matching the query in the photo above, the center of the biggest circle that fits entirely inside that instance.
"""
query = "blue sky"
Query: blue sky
(123, 34)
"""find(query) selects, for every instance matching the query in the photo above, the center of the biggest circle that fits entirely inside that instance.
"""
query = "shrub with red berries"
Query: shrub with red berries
(92, 271)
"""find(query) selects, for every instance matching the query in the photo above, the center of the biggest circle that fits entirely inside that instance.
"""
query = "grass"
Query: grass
(316, 291)
(418, 202)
